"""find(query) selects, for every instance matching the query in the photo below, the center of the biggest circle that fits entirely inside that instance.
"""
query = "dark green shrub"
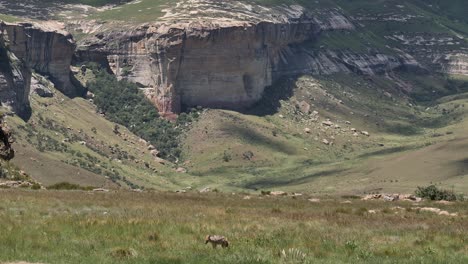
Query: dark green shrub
(226, 156)
(36, 186)
(403, 129)
(69, 186)
(64, 186)
(433, 193)
(248, 155)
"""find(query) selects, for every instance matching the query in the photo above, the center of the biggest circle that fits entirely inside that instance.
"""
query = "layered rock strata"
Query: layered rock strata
(214, 63)
(14, 82)
(27, 47)
(224, 54)
(44, 48)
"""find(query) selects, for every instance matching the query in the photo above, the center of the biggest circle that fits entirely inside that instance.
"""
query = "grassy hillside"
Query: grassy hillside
(267, 147)
(67, 140)
(270, 150)
(414, 120)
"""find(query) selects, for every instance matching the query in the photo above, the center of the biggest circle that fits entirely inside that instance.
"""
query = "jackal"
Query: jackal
(216, 240)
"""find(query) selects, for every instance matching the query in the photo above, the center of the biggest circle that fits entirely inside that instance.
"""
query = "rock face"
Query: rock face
(42, 48)
(454, 63)
(226, 62)
(225, 53)
(14, 82)
(45, 48)
(329, 62)
(209, 62)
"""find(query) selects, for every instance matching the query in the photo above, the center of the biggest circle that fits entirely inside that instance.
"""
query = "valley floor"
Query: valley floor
(158, 227)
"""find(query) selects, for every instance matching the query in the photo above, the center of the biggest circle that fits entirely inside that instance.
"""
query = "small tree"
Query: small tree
(433, 193)
(227, 157)
(116, 130)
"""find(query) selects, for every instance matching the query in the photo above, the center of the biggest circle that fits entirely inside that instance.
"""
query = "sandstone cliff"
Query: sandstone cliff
(208, 62)
(195, 57)
(26, 47)
(225, 53)
(14, 82)
(44, 48)
(456, 63)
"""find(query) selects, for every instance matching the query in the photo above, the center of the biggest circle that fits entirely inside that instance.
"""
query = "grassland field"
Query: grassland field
(162, 227)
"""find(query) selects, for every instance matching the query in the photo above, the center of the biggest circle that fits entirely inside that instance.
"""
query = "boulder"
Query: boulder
(44, 92)
(205, 190)
(390, 198)
(372, 197)
(90, 95)
(100, 190)
(278, 193)
(327, 123)
(151, 147)
(430, 209)
(304, 107)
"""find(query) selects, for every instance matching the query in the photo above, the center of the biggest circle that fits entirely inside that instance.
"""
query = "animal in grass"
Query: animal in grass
(216, 240)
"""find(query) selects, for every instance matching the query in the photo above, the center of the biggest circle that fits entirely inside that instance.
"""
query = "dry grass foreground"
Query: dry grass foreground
(127, 227)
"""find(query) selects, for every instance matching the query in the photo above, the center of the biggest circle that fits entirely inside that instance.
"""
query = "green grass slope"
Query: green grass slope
(410, 144)
(67, 140)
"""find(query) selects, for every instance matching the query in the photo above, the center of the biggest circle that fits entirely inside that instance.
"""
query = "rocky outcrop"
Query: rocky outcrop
(456, 63)
(324, 62)
(6, 150)
(14, 82)
(208, 62)
(224, 54)
(44, 48)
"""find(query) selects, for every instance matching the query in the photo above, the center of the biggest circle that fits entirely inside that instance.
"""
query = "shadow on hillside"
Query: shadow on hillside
(281, 182)
(283, 89)
(253, 137)
(80, 90)
(462, 166)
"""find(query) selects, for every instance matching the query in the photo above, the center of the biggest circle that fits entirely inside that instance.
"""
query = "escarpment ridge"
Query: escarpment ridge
(227, 62)
(221, 54)
(225, 54)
